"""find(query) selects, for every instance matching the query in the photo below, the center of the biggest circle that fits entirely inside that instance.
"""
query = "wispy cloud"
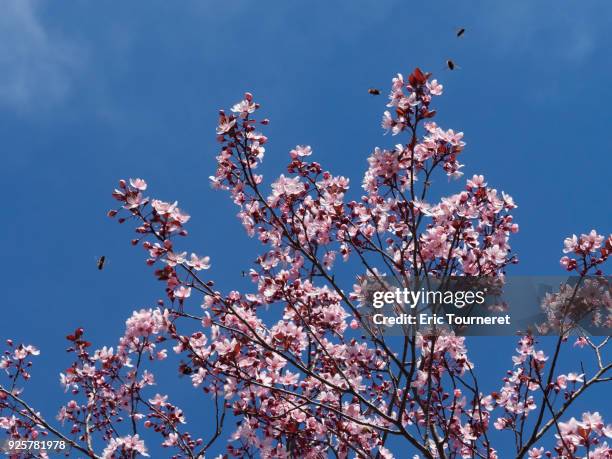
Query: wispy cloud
(570, 32)
(37, 67)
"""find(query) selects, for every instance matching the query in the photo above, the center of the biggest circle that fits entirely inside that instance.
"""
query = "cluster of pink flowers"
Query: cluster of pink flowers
(15, 363)
(294, 360)
(527, 381)
(586, 252)
(409, 99)
(126, 446)
(113, 385)
(517, 396)
(164, 220)
(588, 433)
(589, 299)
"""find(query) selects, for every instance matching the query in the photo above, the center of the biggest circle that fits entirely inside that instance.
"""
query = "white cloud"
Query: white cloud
(37, 68)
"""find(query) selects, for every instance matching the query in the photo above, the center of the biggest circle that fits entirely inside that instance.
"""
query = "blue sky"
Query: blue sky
(90, 93)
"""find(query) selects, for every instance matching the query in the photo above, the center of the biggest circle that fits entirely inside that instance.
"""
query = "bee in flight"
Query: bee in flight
(374, 91)
(451, 65)
(460, 32)
(100, 263)
(185, 370)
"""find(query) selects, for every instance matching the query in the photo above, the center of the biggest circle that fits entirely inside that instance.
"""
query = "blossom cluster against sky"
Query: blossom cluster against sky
(90, 93)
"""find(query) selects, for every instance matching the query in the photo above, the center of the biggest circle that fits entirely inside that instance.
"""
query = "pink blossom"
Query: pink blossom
(539, 356)
(173, 259)
(199, 263)
(301, 151)
(134, 200)
(182, 292)
(581, 341)
(225, 125)
(385, 453)
(477, 181)
(163, 208)
(128, 444)
(387, 122)
(575, 378)
(435, 88)
(285, 187)
(158, 400)
(570, 244)
(244, 108)
(591, 242)
(536, 453)
(139, 184)
(562, 381)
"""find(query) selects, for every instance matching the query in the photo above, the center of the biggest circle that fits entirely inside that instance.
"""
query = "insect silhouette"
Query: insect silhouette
(101, 262)
(185, 370)
(374, 91)
(451, 65)
(460, 32)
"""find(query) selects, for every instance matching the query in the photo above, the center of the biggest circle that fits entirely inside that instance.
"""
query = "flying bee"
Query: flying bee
(374, 91)
(451, 65)
(100, 263)
(460, 32)
(185, 370)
